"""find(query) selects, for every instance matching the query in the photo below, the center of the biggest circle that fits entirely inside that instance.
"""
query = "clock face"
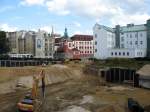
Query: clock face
(39, 43)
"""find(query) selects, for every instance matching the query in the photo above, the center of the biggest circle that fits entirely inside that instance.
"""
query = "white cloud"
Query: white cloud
(92, 8)
(112, 11)
(58, 6)
(116, 11)
(6, 27)
(124, 19)
(76, 24)
(32, 2)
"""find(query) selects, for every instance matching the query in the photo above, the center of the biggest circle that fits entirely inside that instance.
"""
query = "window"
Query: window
(95, 50)
(130, 35)
(95, 42)
(122, 39)
(95, 35)
(112, 54)
(122, 45)
(130, 42)
(141, 42)
(69, 44)
(141, 34)
(136, 35)
(127, 53)
(123, 53)
(116, 53)
(127, 35)
(119, 53)
(136, 42)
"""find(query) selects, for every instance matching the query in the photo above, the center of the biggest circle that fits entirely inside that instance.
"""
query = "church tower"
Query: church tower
(65, 34)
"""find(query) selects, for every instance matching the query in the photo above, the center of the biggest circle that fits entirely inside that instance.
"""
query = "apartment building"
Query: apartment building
(13, 38)
(37, 44)
(130, 41)
(75, 47)
(84, 43)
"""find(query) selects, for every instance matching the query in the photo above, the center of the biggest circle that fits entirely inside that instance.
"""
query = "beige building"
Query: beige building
(44, 45)
(49, 45)
(21, 43)
(38, 44)
(30, 43)
(13, 41)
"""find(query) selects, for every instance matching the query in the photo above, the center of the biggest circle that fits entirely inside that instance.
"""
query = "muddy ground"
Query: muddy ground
(78, 92)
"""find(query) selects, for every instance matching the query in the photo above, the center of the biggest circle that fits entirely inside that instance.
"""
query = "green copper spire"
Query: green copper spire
(65, 33)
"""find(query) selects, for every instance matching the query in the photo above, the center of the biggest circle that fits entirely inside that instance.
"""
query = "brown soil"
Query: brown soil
(70, 89)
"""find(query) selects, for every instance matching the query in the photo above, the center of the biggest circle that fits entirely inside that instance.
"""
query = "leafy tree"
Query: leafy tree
(4, 47)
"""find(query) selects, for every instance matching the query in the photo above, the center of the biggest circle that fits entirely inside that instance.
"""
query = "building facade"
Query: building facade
(13, 41)
(37, 44)
(129, 41)
(84, 43)
(75, 47)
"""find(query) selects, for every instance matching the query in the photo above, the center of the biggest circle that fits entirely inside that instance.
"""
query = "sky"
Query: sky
(79, 16)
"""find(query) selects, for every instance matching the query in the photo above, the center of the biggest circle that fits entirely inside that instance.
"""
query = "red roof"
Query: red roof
(58, 40)
(82, 37)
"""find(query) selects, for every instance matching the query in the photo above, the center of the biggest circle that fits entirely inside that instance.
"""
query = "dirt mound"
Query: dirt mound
(10, 77)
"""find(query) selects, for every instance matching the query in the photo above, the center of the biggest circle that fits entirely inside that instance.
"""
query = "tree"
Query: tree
(4, 47)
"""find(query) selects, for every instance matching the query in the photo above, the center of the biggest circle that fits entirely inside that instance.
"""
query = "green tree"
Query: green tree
(4, 47)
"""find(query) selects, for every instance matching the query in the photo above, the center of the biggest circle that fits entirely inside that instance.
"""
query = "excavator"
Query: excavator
(31, 102)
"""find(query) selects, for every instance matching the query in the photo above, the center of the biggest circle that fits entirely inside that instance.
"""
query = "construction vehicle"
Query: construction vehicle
(31, 102)
(134, 106)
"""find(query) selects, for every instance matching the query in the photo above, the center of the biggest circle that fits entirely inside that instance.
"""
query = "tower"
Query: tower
(65, 33)
(52, 33)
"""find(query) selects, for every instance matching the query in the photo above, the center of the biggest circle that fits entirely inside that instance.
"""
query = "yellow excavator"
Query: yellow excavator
(31, 103)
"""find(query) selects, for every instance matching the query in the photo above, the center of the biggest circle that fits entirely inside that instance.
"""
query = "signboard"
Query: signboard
(39, 43)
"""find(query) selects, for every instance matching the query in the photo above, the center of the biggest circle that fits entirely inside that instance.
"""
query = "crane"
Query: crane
(30, 102)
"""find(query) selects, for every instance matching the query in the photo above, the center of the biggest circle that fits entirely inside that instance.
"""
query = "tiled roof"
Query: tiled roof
(82, 38)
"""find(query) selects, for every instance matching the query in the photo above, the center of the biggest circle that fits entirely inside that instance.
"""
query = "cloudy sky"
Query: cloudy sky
(78, 16)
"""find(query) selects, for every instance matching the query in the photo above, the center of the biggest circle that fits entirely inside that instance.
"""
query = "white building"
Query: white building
(84, 43)
(123, 42)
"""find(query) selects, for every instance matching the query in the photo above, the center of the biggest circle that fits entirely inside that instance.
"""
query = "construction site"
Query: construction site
(68, 87)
